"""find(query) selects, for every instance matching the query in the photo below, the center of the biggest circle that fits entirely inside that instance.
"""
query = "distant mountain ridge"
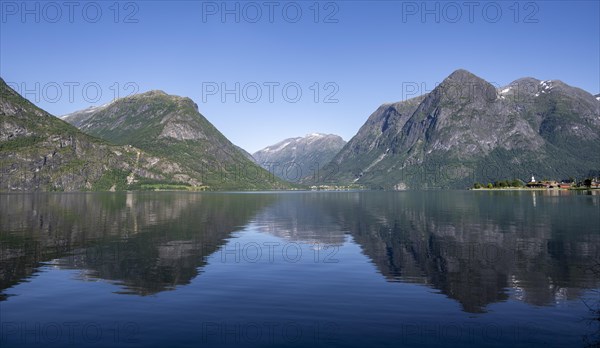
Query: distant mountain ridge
(300, 159)
(466, 130)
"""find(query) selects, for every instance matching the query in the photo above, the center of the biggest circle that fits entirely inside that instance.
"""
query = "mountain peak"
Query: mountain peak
(465, 122)
(460, 71)
(462, 75)
(153, 92)
(295, 159)
(171, 127)
(317, 135)
(152, 114)
(463, 86)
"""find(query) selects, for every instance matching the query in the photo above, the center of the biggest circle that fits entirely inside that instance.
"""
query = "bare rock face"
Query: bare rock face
(179, 130)
(9, 129)
(466, 130)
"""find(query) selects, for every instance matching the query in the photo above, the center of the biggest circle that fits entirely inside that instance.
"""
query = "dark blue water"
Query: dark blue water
(347, 269)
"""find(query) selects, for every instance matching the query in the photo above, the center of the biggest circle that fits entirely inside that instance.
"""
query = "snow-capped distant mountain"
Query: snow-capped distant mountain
(299, 159)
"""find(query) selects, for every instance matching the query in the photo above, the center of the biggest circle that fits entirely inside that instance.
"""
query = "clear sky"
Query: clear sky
(345, 57)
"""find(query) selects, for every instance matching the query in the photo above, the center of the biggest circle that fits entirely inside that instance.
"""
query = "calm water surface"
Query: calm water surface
(345, 269)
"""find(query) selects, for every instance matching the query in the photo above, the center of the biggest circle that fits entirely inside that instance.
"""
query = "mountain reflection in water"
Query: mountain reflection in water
(473, 247)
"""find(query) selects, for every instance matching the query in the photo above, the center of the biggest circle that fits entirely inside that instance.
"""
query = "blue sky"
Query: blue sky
(355, 55)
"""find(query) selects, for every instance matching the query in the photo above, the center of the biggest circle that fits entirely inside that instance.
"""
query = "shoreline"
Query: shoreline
(534, 189)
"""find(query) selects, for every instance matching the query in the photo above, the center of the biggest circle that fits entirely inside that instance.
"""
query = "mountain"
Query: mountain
(171, 127)
(246, 154)
(39, 152)
(301, 158)
(467, 131)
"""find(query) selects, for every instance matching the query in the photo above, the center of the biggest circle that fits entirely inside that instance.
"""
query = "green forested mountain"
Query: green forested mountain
(172, 127)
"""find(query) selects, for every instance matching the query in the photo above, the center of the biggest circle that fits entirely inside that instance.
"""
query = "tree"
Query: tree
(489, 185)
(587, 182)
(502, 183)
(477, 185)
(516, 183)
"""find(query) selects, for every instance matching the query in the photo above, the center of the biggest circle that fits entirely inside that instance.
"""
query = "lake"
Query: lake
(297, 269)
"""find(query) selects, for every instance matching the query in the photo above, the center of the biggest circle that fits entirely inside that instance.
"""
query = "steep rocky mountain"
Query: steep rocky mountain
(302, 158)
(172, 127)
(467, 131)
(41, 152)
